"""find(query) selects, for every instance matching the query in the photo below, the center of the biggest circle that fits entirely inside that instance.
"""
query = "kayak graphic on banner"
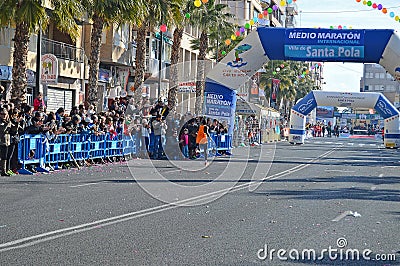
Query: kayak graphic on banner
(380, 46)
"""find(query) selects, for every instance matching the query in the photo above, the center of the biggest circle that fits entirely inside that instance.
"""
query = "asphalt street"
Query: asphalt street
(274, 204)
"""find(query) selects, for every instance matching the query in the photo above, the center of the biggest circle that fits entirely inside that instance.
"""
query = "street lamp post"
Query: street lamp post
(163, 28)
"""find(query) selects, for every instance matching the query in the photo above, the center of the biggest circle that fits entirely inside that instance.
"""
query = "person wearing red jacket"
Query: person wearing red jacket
(39, 102)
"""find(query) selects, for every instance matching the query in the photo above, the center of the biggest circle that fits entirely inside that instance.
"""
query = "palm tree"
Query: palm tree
(219, 33)
(158, 11)
(174, 77)
(206, 17)
(291, 87)
(103, 13)
(140, 61)
(28, 17)
(179, 22)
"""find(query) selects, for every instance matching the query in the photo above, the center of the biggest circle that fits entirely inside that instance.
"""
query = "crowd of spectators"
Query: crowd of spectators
(153, 125)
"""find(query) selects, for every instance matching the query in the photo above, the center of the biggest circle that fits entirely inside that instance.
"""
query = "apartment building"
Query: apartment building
(64, 88)
(376, 79)
(69, 87)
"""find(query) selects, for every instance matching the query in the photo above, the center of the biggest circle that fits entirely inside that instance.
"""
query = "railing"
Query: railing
(36, 151)
(59, 49)
(62, 50)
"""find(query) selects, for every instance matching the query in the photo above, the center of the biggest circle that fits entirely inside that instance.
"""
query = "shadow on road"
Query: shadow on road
(338, 193)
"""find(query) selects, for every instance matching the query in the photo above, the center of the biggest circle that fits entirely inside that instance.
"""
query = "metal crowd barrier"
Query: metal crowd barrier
(113, 145)
(80, 146)
(31, 150)
(129, 145)
(58, 151)
(36, 151)
(97, 146)
(223, 142)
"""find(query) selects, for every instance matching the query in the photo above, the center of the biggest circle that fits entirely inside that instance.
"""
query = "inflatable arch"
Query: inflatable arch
(353, 100)
(302, 44)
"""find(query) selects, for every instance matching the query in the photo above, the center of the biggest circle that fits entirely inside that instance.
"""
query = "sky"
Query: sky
(325, 13)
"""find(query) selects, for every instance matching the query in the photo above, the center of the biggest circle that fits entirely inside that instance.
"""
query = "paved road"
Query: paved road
(275, 196)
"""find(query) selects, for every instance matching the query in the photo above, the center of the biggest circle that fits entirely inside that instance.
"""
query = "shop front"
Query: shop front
(255, 124)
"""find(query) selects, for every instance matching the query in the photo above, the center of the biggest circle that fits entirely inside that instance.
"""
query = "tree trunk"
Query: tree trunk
(20, 57)
(140, 63)
(94, 60)
(174, 80)
(200, 72)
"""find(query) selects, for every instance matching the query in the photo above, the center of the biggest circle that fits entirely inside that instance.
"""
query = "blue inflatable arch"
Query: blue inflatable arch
(304, 44)
(345, 99)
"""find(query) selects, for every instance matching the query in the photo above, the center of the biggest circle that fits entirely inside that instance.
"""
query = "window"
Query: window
(369, 75)
(382, 75)
(376, 75)
(121, 35)
(390, 88)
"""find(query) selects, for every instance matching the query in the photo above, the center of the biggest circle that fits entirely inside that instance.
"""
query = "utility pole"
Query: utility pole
(38, 59)
(160, 65)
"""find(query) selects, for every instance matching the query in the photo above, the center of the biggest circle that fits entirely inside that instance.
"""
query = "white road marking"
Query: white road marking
(88, 184)
(341, 216)
(171, 171)
(338, 170)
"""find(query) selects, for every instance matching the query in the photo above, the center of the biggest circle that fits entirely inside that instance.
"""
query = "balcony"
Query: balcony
(118, 54)
(290, 22)
(151, 68)
(292, 9)
(63, 51)
(71, 58)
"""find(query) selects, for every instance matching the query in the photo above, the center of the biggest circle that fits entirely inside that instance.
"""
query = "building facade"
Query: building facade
(376, 79)
(69, 87)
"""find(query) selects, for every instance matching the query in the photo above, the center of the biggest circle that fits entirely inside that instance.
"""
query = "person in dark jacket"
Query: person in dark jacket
(5, 141)
(17, 129)
(36, 127)
(73, 127)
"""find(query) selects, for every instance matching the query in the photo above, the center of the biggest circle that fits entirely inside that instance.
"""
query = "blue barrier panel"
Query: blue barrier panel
(97, 146)
(113, 145)
(31, 151)
(79, 146)
(129, 145)
(223, 143)
(36, 150)
(58, 151)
